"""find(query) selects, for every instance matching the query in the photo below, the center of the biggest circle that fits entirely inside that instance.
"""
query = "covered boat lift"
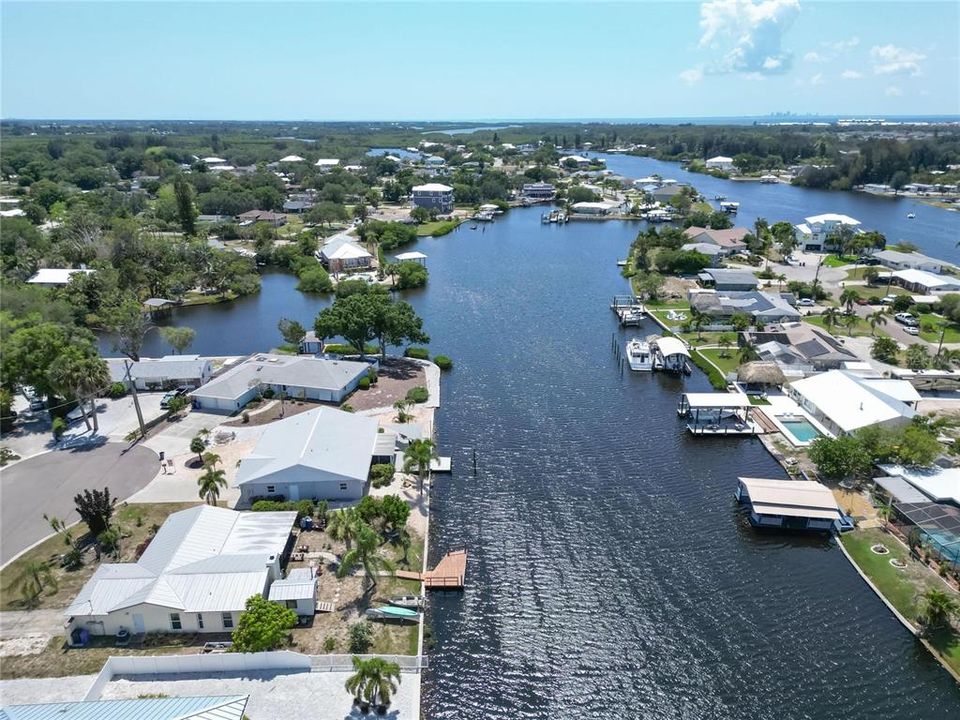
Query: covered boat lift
(718, 414)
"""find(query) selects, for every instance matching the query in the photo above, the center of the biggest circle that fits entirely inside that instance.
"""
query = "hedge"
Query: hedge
(443, 362)
(715, 377)
(304, 508)
(417, 353)
(418, 394)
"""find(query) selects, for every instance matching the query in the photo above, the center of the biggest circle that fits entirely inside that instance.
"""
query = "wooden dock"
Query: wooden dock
(449, 573)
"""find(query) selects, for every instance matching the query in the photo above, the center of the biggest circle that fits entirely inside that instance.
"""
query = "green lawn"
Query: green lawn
(860, 328)
(727, 364)
(836, 261)
(437, 228)
(662, 314)
(952, 335)
(902, 588)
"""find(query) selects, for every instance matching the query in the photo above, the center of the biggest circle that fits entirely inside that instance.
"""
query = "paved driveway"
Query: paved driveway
(47, 483)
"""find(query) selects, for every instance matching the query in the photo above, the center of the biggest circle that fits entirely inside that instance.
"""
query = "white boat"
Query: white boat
(730, 207)
(639, 356)
(911, 216)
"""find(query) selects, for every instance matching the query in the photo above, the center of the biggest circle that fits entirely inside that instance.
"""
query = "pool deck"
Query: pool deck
(782, 405)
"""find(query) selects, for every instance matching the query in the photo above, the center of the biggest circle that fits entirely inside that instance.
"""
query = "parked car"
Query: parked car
(806, 302)
(888, 299)
(862, 301)
(911, 330)
(37, 404)
(178, 392)
(906, 319)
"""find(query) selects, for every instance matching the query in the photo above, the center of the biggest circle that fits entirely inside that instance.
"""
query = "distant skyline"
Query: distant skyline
(222, 60)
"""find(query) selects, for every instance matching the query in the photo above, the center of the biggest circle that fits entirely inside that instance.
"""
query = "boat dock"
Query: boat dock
(449, 574)
(719, 414)
(441, 465)
(629, 309)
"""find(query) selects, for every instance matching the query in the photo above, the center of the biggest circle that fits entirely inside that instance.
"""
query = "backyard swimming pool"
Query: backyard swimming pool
(801, 429)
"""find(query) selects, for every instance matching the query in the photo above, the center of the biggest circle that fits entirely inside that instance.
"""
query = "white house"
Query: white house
(306, 378)
(720, 162)
(817, 231)
(292, 159)
(196, 575)
(577, 160)
(342, 253)
(323, 453)
(162, 373)
(297, 591)
(918, 281)
(326, 163)
(53, 277)
(909, 261)
(594, 208)
(844, 402)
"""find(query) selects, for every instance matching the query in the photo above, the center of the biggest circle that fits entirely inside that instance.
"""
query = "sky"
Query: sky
(222, 60)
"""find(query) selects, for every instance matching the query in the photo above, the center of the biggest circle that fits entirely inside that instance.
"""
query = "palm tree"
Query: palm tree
(699, 320)
(210, 483)
(210, 459)
(374, 680)
(418, 455)
(401, 407)
(724, 342)
(198, 445)
(848, 299)
(831, 317)
(82, 378)
(342, 525)
(851, 322)
(34, 578)
(876, 318)
(884, 512)
(747, 353)
(781, 279)
(364, 553)
(936, 609)
(870, 275)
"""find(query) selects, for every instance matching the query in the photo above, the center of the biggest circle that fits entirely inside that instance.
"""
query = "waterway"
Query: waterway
(610, 572)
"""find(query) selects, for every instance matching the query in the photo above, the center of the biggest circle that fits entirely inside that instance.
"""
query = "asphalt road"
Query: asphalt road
(47, 484)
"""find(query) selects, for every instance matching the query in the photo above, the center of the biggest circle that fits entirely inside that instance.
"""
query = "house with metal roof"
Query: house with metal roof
(324, 453)
(227, 707)
(196, 575)
(844, 402)
(728, 279)
(298, 377)
(343, 253)
(297, 591)
(162, 373)
(789, 504)
(909, 261)
(55, 277)
(920, 281)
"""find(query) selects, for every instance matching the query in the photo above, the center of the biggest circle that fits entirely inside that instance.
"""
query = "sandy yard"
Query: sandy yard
(394, 379)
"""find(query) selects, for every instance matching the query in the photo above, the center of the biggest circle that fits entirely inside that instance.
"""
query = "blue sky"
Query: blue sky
(478, 60)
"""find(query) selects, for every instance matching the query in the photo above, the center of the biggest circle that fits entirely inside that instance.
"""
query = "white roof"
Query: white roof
(575, 158)
(937, 483)
(704, 248)
(902, 257)
(832, 218)
(15, 212)
(56, 276)
(292, 158)
(794, 498)
(672, 346)
(214, 160)
(299, 584)
(921, 277)
(720, 159)
(432, 187)
(298, 371)
(202, 559)
(594, 205)
(717, 400)
(327, 162)
(411, 256)
(229, 707)
(852, 402)
(902, 390)
(345, 251)
(326, 440)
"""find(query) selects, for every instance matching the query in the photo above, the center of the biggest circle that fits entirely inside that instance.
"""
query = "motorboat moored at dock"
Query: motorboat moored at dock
(639, 356)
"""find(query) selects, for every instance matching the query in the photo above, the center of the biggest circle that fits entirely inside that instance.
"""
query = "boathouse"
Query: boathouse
(718, 414)
(789, 504)
(671, 354)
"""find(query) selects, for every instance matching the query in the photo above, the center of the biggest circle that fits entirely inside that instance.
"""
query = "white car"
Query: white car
(911, 330)
(806, 302)
(888, 299)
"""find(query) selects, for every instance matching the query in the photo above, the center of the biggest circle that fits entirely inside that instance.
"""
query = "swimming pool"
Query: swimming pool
(801, 429)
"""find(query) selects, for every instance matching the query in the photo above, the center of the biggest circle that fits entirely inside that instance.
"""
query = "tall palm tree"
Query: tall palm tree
(936, 609)
(884, 512)
(210, 459)
(343, 525)
(850, 321)
(831, 317)
(876, 318)
(34, 577)
(401, 406)
(699, 320)
(374, 680)
(848, 298)
(210, 483)
(747, 353)
(781, 279)
(80, 377)
(417, 456)
(364, 553)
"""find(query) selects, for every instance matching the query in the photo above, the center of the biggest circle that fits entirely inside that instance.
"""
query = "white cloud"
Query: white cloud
(893, 60)
(813, 57)
(692, 76)
(831, 50)
(843, 45)
(893, 91)
(751, 33)
(851, 75)
(817, 79)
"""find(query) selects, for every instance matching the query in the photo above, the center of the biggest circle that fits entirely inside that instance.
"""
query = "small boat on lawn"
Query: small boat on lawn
(407, 601)
(389, 612)
(639, 355)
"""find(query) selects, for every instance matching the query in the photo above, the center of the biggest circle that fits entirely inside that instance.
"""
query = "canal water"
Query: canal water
(610, 572)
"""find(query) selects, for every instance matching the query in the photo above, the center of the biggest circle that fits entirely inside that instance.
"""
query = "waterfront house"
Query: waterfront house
(720, 162)
(728, 279)
(789, 504)
(665, 193)
(763, 307)
(714, 252)
(539, 191)
(323, 453)
(297, 206)
(731, 240)
(342, 253)
(162, 373)
(434, 161)
(433, 196)
(816, 233)
(844, 402)
(297, 592)
(212, 707)
(799, 349)
(297, 377)
(578, 161)
(909, 261)
(195, 576)
(56, 277)
(918, 281)
(594, 208)
(326, 164)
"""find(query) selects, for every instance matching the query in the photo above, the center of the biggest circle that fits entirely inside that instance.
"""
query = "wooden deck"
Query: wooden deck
(449, 573)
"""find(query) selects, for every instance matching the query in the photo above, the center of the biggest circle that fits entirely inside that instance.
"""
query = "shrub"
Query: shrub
(361, 637)
(418, 394)
(716, 378)
(117, 390)
(417, 353)
(314, 279)
(443, 362)
(59, 427)
(303, 508)
(245, 416)
(364, 383)
(268, 393)
(329, 644)
(381, 474)
(372, 374)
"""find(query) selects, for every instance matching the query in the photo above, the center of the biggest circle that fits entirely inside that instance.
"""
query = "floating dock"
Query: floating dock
(449, 573)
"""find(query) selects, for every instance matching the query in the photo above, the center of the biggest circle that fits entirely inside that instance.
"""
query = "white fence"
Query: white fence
(342, 663)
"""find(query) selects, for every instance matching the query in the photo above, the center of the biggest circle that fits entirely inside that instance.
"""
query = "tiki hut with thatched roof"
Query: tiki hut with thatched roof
(760, 374)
